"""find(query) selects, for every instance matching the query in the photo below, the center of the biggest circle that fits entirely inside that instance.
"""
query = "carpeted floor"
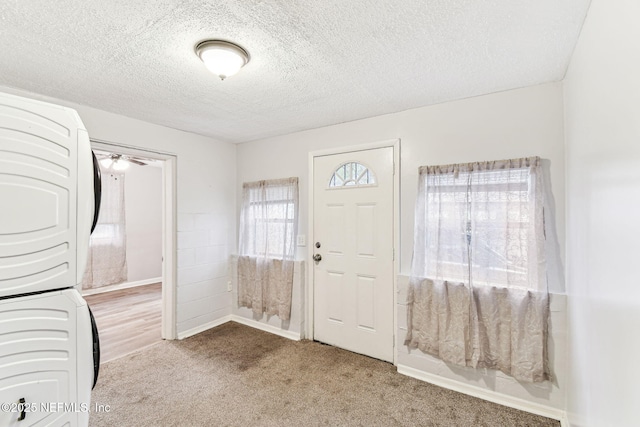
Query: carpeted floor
(234, 375)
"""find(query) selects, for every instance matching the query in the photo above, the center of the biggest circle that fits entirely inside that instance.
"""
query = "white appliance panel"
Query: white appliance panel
(46, 189)
(46, 359)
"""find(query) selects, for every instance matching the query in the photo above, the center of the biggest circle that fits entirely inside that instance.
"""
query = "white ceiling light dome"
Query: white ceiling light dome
(221, 57)
(120, 164)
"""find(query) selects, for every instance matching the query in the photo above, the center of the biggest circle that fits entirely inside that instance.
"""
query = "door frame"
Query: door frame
(169, 231)
(309, 288)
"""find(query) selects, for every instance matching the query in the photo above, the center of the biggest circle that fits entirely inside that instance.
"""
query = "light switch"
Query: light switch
(302, 240)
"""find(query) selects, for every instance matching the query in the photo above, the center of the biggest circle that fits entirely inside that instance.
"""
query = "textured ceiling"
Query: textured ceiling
(313, 63)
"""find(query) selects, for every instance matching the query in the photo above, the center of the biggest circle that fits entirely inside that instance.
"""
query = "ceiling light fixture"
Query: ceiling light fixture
(106, 162)
(221, 57)
(120, 164)
(115, 162)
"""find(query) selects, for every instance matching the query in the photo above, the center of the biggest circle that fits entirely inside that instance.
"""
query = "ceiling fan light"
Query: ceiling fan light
(120, 165)
(106, 162)
(222, 58)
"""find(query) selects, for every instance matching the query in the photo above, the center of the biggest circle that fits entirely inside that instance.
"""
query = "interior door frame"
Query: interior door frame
(169, 231)
(395, 144)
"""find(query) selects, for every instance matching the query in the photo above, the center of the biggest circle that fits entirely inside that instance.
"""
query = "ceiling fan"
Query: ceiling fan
(118, 161)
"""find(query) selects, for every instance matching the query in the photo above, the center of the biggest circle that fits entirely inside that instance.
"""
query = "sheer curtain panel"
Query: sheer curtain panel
(107, 258)
(268, 231)
(478, 291)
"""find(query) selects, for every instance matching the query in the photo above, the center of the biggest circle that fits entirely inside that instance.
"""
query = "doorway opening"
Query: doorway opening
(140, 310)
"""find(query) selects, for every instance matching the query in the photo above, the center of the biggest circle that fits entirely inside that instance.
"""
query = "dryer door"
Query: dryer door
(39, 163)
(97, 191)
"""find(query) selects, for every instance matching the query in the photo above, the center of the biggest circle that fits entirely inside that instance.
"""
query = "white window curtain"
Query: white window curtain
(107, 258)
(478, 293)
(268, 231)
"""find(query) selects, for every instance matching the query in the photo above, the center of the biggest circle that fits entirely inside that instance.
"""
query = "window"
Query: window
(484, 228)
(268, 229)
(352, 174)
(479, 265)
(269, 218)
(107, 257)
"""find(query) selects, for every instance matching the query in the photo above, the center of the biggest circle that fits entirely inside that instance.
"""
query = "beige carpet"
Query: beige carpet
(234, 375)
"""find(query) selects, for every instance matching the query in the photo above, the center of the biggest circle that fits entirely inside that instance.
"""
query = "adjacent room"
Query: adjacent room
(373, 213)
(123, 280)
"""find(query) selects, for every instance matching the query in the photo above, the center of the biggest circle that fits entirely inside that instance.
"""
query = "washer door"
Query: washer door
(96, 348)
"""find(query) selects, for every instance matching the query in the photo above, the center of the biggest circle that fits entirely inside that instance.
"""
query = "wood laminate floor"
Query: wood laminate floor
(127, 319)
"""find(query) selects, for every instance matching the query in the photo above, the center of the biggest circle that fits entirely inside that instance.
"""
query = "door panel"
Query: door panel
(365, 223)
(366, 287)
(353, 283)
(335, 285)
(337, 230)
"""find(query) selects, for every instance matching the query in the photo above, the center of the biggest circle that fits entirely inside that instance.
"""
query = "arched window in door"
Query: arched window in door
(352, 174)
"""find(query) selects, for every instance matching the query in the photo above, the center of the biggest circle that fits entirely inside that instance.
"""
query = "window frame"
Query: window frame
(472, 231)
(355, 184)
(255, 223)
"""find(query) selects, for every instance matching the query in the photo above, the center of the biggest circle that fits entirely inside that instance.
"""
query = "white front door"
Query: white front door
(353, 234)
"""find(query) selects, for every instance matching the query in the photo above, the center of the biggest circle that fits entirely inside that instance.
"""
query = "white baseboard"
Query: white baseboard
(119, 286)
(564, 421)
(265, 327)
(202, 328)
(248, 322)
(491, 396)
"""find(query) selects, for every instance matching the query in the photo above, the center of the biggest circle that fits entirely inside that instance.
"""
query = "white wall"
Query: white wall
(143, 212)
(517, 123)
(205, 208)
(602, 121)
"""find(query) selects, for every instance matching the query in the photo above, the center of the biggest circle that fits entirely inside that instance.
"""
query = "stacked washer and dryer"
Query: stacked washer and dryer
(49, 203)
